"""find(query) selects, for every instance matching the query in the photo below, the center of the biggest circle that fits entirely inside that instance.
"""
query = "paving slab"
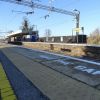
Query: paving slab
(52, 83)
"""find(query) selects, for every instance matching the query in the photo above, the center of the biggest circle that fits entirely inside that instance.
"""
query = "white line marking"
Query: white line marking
(63, 62)
(86, 61)
(46, 57)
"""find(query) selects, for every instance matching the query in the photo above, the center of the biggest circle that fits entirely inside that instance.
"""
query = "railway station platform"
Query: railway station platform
(48, 76)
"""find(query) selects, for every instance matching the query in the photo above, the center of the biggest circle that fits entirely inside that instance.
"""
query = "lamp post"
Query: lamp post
(77, 21)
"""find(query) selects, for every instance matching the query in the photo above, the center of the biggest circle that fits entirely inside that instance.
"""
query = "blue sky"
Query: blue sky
(59, 24)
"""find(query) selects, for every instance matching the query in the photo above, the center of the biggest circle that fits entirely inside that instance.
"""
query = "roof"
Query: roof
(19, 33)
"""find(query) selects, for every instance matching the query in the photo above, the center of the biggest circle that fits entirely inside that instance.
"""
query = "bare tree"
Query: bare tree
(26, 27)
(47, 34)
(94, 37)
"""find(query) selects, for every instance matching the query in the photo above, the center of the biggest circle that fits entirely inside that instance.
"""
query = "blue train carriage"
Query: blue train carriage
(34, 36)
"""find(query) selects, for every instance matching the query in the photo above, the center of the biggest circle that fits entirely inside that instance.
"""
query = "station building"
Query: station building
(20, 36)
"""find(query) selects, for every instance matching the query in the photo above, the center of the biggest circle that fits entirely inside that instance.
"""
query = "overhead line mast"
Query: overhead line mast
(49, 8)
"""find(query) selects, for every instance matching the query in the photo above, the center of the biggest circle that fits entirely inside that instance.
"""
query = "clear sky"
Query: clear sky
(59, 24)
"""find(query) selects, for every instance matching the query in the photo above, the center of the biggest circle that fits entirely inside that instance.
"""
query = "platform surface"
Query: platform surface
(58, 77)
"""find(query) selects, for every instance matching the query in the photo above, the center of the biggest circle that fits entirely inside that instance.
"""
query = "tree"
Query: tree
(26, 28)
(47, 34)
(94, 37)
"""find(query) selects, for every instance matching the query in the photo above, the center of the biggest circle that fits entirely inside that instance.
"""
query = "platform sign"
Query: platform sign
(77, 29)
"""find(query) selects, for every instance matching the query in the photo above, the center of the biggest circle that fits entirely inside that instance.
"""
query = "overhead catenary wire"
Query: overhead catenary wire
(20, 12)
(49, 11)
(41, 6)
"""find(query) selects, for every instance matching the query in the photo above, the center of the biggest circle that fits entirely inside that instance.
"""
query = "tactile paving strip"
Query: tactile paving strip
(6, 90)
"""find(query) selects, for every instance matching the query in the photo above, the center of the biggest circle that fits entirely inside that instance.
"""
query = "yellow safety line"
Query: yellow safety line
(6, 90)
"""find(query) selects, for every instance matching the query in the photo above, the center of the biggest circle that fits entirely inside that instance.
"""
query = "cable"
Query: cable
(21, 12)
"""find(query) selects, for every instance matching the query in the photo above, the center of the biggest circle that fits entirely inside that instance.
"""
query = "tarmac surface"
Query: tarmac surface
(57, 77)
